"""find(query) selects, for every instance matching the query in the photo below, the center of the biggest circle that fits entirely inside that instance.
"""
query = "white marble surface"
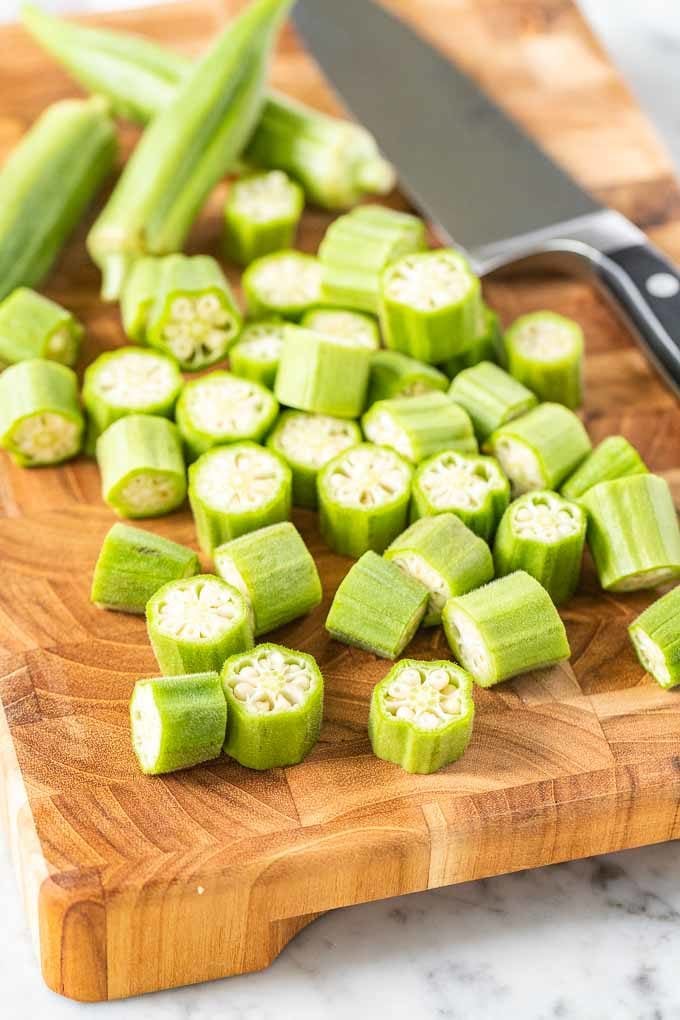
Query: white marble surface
(592, 940)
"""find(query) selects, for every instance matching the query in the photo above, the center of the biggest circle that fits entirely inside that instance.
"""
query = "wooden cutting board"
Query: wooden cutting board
(134, 884)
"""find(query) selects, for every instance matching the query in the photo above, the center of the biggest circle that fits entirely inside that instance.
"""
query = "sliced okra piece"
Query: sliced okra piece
(307, 442)
(274, 571)
(40, 418)
(142, 466)
(613, 458)
(139, 295)
(633, 532)
(446, 556)
(421, 715)
(473, 488)
(275, 706)
(487, 345)
(322, 373)
(655, 634)
(396, 375)
(543, 534)
(287, 283)
(195, 623)
(490, 396)
(507, 627)
(417, 427)
(236, 489)
(357, 327)
(32, 326)
(133, 564)
(257, 351)
(261, 216)
(220, 408)
(364, 496)
(541, 448)
(177, 721)
(545, 352)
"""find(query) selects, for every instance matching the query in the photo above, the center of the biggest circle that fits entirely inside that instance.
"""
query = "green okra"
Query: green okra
(446, 556)
(543, 534)
(473, 488)
(32, 326)
(220, 408)
(490, 396)
(187, 148)
(655, 634)
(236, 489)
(507, 627)
(177, 721)
(363, 497)
(274, 570)
(633, 532)
(133, 564)
(261, 216)
(417, 427)
(48, 182)
(421, 715)
(195, 623)
(275, 706)
(139, 295)
(142, 467)
(541, 448)
(322, 373)
(357, 327)
(287, 284)
(307, 442)
(545, 352)
(487, 345)
(257, 351)
(396, 375)
(40, 419)
(613, 458)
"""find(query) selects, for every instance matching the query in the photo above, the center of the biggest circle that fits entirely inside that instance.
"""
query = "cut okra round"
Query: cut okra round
(138, 296)
(545, 352)
(421, 715)
(287, 283)
(257, 352)
(364, 496)
(195, 623)
(507, 627)
(543, 534)
(274, 570)
(322, 373)
(473, 488)
(396, 375)
(220, 408)
(417, 427)
(40, 419)
(377, 607)
(655, 634)
(633, 532)
(32, 326)
(307, 442)
(487, 345)
(357, 327)
(490, 396)
(142, 466)
(613, 458)
(177, 721)
(275, 706)
(444, 555)
(261, 215)
(541, 448)
(236, 489)
(126, 381)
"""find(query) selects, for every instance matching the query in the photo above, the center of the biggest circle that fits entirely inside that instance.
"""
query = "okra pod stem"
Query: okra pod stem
(322, 373)
(261, 216)
(356, 327)
(286, 284)
(257, 352)
(487, 345)
(396, 375)
(32, 326)
(142, 467)
(490, 396)
(472, 488)
(545, 352)
(541, 448)
(613, 458)
(655, 634)
(220, 408)
(417, 427)
(40, 419)
(307, 442)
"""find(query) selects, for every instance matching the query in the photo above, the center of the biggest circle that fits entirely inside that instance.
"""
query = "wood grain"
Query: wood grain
(134, 884)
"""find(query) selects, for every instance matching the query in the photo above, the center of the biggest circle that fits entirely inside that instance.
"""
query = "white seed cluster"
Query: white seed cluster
(147, 727)
(225, 405)
(46, 438)
(314, 439)
(382, 429)
(234, 480)
(264, 197)
(288, 280)
(453, 481)
(199, 328)
(148, 493)
(262, 343)
(545, 517)
(198, 610)
(651, 656)
(545, 339)
(427, 697)
(135, 380)
(367, 477)
(471, 650)
(346, 326)
(429, 282)
(520, 464)
(418, 568)
(268, 682)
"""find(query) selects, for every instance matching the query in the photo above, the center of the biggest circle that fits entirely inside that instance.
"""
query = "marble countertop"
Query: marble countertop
(589, 940)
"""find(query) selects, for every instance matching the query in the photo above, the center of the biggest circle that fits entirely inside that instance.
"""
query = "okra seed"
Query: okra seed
(265, 197)
(428, 284)
(198, 611)
(288, 281)
(135, 380)
(368, 477)
(428, 698)
(545, 340)
(239, 481)
(269, 683)
(314, 440)
(45, 438)
(226, 406)
(545, 518)
(454, 481)
(148, 493)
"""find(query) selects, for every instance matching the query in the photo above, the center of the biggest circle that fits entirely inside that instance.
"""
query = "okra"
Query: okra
(286, 284)
(261, 216)
(490, 396)
(655, 634)
(421, 715)
(48, 182)
(40, 418)
(142, 467)
(274, 570)
(220, 408)
(257, 352)
(363, 499)
(356, 327)
(444, 555)
(508, 627)
(396, 375)
(545, 352)
(195, 623)
(32, 326)
(307, 442)
(417, 427)
(613, 458)
(177, 721)
(541, 448)
(133, 564)
(487, 345)
(472, 488)
(275, 706)
(377, 607)
(236, 489)
(322, 373)
(633, 532)
(139, 295)
(543, 534)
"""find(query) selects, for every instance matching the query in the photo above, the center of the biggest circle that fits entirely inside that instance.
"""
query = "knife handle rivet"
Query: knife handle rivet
(663, 285)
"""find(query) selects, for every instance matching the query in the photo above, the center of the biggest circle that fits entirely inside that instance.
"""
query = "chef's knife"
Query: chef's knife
(487, 186)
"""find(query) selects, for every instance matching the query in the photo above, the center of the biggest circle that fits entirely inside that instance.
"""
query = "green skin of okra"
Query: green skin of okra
(559, 379)
(190, 713)
(554, 435)
(34, 388)
(247, 237)
(102, 412)
(490, 396)
(305, 476)
(198, 441)
(263, 305)
(482, 520)
(660, 624)
(139, 295)
(396, 375)
(137, 446)
(428, 424)
(32, 326)
(317, 373)
(248, 366)
(487, 346)
(613, 458)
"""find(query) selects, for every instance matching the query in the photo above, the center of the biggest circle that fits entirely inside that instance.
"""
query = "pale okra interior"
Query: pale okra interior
(264, 197)
(134, 380)
(452, 480)
(227, 406)
(263, 343)
(383, 430)
(199, 327)
(651, 656)
(147, 727)
(472, 652)
(339, 323)
(46, 437)
(428, 697)
(545, 339)
(428, 283)
(313, 440)
(60, 346)
(545, 517)
(287, 280)
(235, 480)
(198, 610)
(414, 565)
(520, 464)
(148, 492)
(368, 478)
(268, 681)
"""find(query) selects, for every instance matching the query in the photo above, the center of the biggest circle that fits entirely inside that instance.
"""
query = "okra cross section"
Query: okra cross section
(655, 634)
(613, 458)
(220, 408)
(487, 345)
(40, 418)
(142, 466)
(287, 283)
(417, 427)
(32, 326)
(275, 706)
(195, 623)
(396, 375)
(257, 352)
(490, 396)
(545, 352)
(357, 327)
(307, 442)
(261, 215)
(421, 715)
(322, 373)
(473, 488)
(139, 295)
(541, 448)
(505, 628)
